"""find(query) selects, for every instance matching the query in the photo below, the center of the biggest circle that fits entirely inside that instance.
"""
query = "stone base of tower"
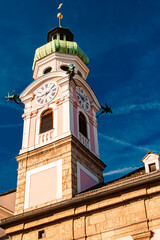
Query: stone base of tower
(69, 152)
(122, 210)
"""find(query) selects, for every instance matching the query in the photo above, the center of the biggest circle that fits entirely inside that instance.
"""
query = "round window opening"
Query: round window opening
(47, 70)
(64, 67)
(79, 73)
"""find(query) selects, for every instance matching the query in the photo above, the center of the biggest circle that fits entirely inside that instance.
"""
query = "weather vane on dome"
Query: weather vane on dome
(60, 15)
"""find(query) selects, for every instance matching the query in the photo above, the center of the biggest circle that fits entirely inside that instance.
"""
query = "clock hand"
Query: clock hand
(41, 95)
(44, 93)
(51, 87)
(82, 97)
(49, 90)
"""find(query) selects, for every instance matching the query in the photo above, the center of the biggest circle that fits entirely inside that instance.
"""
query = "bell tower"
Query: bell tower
(59, 156)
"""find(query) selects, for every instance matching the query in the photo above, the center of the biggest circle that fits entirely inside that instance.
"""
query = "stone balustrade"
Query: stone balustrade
(45, 137)
(83, 140)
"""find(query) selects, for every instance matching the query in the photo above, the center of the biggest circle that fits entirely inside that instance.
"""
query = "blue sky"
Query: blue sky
(122, 41)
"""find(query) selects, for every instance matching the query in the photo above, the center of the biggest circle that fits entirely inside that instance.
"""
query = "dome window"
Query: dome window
(79, 73)
(47, 70)
(64, 68)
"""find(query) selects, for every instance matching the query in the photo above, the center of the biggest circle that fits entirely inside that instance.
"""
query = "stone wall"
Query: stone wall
(126, 215)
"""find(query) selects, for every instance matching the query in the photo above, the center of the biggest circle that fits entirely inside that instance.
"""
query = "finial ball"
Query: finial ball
(59, 15)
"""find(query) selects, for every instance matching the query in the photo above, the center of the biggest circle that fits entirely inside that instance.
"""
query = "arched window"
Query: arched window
(46, 121)
(82, 124)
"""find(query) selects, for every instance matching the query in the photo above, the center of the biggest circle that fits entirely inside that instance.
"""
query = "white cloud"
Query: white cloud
(123, 170)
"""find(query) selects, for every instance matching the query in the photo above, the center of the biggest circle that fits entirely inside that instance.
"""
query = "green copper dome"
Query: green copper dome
(60, 40)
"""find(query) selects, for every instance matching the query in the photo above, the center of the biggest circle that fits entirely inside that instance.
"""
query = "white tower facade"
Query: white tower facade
(59, 155)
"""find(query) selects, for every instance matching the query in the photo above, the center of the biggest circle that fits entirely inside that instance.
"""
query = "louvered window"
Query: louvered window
(82, 124)
(46, 121)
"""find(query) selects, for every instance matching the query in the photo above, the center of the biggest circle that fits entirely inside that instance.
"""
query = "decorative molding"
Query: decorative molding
(91, 120)
(142, 236)
(27, 98)
(59, 101)
(75, 104)
(53, 76)
(34, 112)
(96, 140)
(26, 131)
(56, 138)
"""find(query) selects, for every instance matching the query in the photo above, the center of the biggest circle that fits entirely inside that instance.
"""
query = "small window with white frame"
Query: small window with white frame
(151, 162)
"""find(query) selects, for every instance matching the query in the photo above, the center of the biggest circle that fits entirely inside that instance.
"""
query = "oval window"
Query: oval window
(79, 73)
(64, 67)
(47, 70)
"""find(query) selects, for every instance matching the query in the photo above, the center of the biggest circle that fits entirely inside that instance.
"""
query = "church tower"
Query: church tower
(59, 156)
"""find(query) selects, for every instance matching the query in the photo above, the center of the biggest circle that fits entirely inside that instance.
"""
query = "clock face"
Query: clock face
(46, 92)
(83, 99)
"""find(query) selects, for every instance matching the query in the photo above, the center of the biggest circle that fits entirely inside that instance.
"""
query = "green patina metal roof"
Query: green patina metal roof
(60, 46)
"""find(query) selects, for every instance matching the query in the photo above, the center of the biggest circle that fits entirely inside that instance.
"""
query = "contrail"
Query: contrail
(119, 141)
(136, 107)
(123, 170)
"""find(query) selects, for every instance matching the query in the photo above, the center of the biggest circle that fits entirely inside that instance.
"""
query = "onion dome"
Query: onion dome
(60, 40)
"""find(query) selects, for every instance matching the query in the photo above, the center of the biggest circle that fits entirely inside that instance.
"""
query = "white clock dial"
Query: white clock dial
(46, 92)
(82, 98)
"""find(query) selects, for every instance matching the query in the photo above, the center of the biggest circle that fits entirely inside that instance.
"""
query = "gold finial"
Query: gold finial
(59, 15)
